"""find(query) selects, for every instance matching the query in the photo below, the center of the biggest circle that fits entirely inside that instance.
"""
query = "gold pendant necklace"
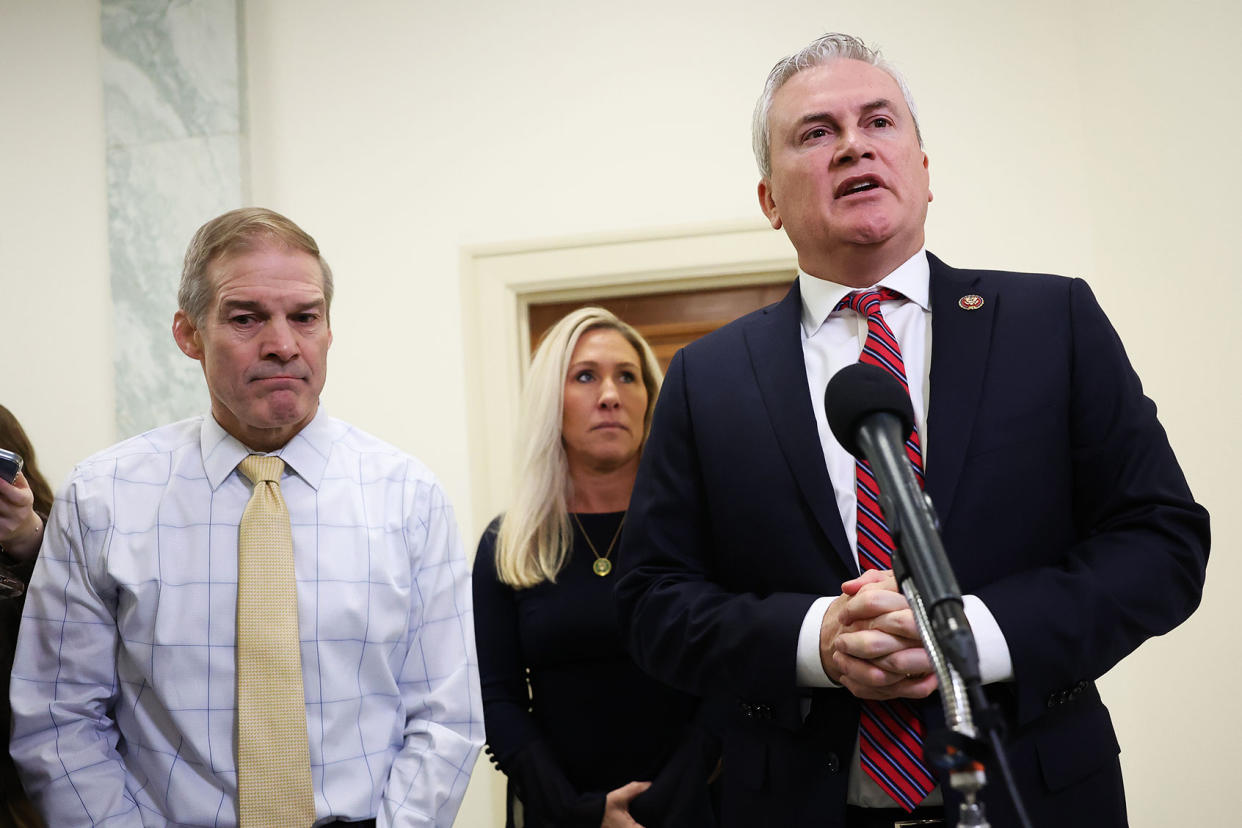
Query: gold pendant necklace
(602, 565)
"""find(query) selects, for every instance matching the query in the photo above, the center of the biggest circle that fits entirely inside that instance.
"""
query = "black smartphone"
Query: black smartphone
(10, 587)
(10, 465)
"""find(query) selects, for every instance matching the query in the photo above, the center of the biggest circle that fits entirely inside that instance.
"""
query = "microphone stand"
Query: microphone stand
(966, 776)
(926, 579)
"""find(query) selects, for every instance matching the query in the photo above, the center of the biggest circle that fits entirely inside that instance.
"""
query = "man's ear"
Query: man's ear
(187, 336)
(768, 204)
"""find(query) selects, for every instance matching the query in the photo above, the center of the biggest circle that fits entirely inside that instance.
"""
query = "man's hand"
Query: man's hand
(21, 530)
(869, 642)
(617, 806)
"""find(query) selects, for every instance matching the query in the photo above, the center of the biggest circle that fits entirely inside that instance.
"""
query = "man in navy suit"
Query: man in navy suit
(1064, 513)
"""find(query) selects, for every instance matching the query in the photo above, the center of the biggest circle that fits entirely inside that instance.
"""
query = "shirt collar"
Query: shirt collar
(306, 454)
(821, 296)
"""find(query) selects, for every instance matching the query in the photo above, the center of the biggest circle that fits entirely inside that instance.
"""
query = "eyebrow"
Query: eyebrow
(826, 117)
(241, 304)
(878, 103)
(592, 363)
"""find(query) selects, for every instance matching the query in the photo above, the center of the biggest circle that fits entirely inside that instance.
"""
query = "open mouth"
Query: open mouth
(853, 186)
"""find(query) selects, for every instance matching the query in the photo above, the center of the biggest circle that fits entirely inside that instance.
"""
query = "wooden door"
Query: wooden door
(667, 321)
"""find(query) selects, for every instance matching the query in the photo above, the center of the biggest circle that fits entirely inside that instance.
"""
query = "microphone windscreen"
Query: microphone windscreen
(858, 391)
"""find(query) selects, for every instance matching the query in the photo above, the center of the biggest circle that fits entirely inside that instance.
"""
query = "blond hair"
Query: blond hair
(535, 535)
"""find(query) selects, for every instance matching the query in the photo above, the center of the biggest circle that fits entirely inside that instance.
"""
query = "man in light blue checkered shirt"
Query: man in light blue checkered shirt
(124, 685)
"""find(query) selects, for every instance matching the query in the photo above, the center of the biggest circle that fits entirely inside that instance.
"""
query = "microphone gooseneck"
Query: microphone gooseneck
(871, 416)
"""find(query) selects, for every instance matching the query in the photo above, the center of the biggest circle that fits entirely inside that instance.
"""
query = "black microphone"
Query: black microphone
(871, 416)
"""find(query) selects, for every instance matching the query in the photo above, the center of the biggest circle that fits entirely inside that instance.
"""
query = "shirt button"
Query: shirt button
(834, 764)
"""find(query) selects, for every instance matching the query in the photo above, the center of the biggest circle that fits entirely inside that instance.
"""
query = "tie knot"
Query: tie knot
(867, 302)
(262, 468)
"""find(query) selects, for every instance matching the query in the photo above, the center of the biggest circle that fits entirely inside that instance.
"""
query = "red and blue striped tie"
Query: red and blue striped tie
(890, 733)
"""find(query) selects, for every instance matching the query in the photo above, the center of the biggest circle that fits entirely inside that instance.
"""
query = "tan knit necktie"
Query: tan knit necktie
(273, 760)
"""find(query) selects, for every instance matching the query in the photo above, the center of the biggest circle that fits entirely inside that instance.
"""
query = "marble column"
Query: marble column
(173, 110)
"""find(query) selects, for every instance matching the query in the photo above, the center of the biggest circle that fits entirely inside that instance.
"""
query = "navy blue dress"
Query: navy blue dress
(569, 716)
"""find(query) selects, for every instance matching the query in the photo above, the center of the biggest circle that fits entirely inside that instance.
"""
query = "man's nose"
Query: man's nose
(852, 144)
(280, 342)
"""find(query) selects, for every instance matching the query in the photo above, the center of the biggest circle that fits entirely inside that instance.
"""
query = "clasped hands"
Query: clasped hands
(869, 642)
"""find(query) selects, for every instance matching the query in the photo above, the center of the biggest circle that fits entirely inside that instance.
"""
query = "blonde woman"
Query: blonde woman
(585, 738)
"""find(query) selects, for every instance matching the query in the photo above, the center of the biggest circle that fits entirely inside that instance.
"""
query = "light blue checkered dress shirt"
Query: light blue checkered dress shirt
(124, 684)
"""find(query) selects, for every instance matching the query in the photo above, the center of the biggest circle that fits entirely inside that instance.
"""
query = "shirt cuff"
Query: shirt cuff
(810, 669)
(995, 663)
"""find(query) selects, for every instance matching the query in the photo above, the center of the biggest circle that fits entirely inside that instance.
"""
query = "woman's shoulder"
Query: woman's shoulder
(493, 528)
(486, 551)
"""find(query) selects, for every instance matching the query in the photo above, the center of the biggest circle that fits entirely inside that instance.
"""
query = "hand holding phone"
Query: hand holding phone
(10, 465)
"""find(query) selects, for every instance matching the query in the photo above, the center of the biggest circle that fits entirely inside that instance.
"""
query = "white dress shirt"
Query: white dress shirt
(831, 340)
(124, 683)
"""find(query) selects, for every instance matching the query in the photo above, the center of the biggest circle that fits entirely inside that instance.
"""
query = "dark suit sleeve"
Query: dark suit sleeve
(1135, 567)
(679, 793)
(688, 619)
(513, 738)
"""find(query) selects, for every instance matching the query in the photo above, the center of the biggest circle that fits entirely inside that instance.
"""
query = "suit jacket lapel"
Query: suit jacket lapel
(960, 342)
(775, 347)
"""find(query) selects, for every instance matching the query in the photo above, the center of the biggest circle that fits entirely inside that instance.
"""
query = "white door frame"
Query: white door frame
(501, 280)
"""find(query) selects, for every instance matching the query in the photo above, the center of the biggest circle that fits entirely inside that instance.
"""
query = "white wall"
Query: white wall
(1161, 120)
(56, 334)
(1063, 136)
(1089, 138)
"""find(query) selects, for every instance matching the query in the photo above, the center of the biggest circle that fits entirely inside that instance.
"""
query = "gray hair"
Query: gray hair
(832, 46)
(238, 231)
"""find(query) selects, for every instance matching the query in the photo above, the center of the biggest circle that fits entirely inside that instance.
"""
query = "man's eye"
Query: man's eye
(882, 122)
(242, 319)
(817, 132)
(306, 318)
